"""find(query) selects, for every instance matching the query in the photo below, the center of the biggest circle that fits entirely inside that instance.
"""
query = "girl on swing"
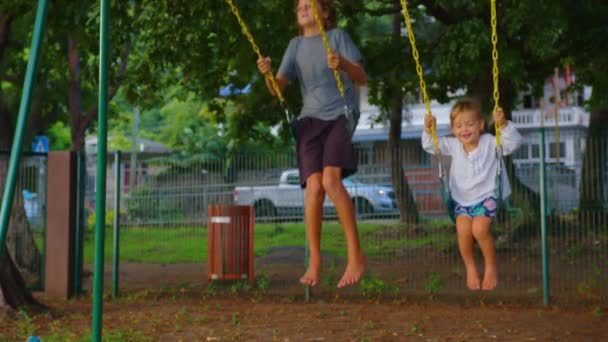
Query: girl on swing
(473, 181)
(324, 149)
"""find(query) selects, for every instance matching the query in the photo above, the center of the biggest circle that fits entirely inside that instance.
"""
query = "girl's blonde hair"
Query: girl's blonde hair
(326, 6)
(466, 104)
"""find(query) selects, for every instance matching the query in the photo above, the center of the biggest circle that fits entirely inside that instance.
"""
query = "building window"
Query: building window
(553, 150)
(529, 101)
(580, 98)
(521, 152)
(535, 151)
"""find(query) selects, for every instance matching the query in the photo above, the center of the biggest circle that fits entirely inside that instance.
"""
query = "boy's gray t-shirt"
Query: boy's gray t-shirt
(306, 60)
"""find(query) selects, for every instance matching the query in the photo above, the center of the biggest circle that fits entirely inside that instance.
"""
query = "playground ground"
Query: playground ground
(160, 303)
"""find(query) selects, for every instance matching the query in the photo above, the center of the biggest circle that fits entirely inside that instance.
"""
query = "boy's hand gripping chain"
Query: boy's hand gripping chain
(256, 49)
(419, 71)
(495, 93)
(496, 96)
(315, 11)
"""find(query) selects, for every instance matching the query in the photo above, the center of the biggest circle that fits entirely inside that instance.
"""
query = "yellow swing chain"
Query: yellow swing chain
(496, 93)
(256, 49)
(419, 71)
(315, 12)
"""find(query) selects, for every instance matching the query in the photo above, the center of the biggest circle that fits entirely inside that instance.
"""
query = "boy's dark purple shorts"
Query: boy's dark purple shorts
(322, 143)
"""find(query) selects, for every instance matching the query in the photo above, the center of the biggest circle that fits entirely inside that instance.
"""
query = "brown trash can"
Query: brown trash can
(230, 242)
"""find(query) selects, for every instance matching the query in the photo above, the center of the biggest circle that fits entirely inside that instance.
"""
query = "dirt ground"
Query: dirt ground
(176, 303)
(196, 314)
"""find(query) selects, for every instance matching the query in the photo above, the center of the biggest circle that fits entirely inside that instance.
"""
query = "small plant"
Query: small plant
(433, 284)
(211, 288)
(372, 286)
(182, 312)
(589, 287)
(239, 286)
(25, 324)
(416, 329)
(125, 334)
(235, 319)
(369, 325)
(263, 282)
(278, 230)
(597, 312)
(330, 278)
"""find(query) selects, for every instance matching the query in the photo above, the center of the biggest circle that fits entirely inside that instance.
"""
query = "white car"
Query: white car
(287, 197)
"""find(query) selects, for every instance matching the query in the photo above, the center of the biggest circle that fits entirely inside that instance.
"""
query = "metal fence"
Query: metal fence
(25, 237)
(163, 217)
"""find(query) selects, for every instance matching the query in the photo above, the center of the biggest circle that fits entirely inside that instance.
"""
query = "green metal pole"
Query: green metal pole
(79, 231)
(100, 198)
(543, 219)
(24, 108)
(115, 254)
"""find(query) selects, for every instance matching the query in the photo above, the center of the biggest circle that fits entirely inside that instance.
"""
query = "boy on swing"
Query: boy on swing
(324, 147)
(473, 182)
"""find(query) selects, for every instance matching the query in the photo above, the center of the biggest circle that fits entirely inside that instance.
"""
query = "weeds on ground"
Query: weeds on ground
(125, 334)
(433, 284)
(263, 283)
(330, 278)
(374, 287)
(212, 288)
(235, 319)
(240, 286)
(25, 324)
(416, 329)
(589, 287)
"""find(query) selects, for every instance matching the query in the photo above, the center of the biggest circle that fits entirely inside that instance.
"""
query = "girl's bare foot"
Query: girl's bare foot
(473, 278)
(490, 279)
(354, 271)
(313, 273)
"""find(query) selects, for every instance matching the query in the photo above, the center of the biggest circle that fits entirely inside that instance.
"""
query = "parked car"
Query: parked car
(286, 198)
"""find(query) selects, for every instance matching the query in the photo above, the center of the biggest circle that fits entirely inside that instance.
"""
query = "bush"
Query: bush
(92, 219)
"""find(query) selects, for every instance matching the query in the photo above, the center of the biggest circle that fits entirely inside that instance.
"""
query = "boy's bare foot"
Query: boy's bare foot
(313, 273)
(473, 278)
(490, 279)
(354, 271)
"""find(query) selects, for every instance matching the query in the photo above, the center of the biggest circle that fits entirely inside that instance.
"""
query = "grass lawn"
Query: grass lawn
(189, 244)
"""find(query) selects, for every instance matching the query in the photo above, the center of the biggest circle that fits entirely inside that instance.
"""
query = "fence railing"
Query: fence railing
(168, 202)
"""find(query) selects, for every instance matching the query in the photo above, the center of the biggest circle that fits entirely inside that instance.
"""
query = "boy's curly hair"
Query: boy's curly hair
(328, 7)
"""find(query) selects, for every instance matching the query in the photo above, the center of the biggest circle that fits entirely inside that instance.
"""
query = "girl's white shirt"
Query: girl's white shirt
(473, 174)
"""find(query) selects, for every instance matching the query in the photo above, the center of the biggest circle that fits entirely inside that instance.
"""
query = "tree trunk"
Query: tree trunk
(13, 290)
(19, 238)
(403, 193)
(5, 120)
(593, 171)
(75, 97)
(79, 119)
(6, 130)
(21, 245)
(405, 200)
(5, 26)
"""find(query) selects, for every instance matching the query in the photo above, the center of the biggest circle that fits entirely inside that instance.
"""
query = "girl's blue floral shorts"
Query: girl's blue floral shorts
(486, 208)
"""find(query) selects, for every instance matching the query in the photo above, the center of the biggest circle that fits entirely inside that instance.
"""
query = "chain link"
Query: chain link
(315, 12)
(269, 75)
(419, 71)
(496, 93)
